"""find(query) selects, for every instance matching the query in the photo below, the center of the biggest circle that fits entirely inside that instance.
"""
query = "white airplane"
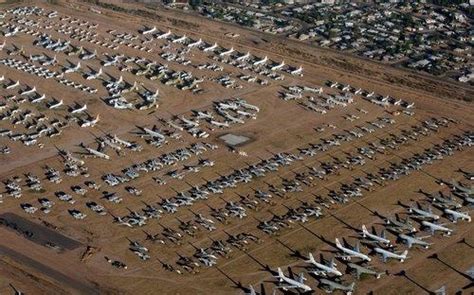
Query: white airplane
(38, 99)
(90, 122)
(243, 57)
(433, 227)
(410, 105)
(50, 61)
(13, 85)
(189, 122)
(292, 284)
(351, 253)
(323, 269)
(420, 213)
(73, 69)
(93, 76)
(219, 124)
(374, 237)
(195, 44)
(89, 56)
(55, 104)
(180, 39)
(227, 52)
(455, 215)
(96, 153)
(79, 109)
(164, 35)
(146, 32)
(261, 62)
(211, 48)
(297, 72)
(279, 66)
(387, 254)
(411, 240)
(27, 92)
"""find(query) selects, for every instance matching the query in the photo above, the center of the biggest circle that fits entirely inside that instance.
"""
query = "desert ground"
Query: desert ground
(79, 267)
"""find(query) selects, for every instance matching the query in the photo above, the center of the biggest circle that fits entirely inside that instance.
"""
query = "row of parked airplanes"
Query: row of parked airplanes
(404, 230)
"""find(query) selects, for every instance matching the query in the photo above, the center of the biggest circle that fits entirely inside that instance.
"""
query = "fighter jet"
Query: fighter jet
(332, 285)
(323, 269)
(433, 227)
(412, 240)
(388, 254)
(291, 283)
(349, 253)
(361, 270)
(375, 238)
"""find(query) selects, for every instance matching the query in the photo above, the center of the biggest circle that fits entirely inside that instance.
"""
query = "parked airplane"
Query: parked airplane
(455, 215)
(93, 76)
(72, 68)
(78, 109)
(420, 213)
(457, 186)
(149, 31)
(388, 254)
(351, 252)
(55, 104)
(90, 122)
(297, 72)
(180, 39)
(433, 227)
(13, 85)
(332, 286)
(412, 240)
(261, 62)
(211, 48)
(195, 44)
(291, 283)
(361, 270)
(164, 35)
(278, 67)
(243, 57)
(375, 238)
(96, 153)
(323, 269)
(29, 91)
(227, 52)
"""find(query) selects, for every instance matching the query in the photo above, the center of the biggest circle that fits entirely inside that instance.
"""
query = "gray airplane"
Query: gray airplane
(433, 227)
(361, 270)
(331, 286)
(412, 240)
(461, 188)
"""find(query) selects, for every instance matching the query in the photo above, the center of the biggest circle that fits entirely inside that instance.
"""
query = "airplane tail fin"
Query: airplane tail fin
(364, 229)
(311, 258)
(405, 253)
(338, 244)
(280, 274)
(352, 285)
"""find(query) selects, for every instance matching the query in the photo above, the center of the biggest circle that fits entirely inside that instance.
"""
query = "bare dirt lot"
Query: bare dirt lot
(280, 126)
